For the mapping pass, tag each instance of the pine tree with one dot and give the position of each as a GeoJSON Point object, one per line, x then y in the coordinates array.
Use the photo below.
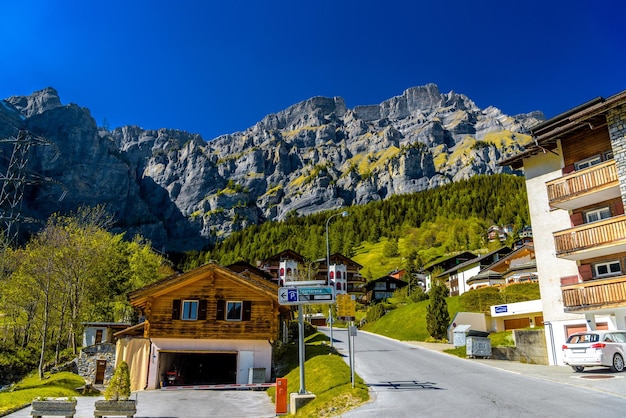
{"type": "Point", "coordinates": [437, 316]}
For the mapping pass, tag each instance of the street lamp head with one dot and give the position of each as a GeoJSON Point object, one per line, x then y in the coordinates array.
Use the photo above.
{"type": "Point", "coordinates": [344, 213]}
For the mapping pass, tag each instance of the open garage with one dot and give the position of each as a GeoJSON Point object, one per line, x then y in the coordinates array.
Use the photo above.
{"type": "Point", "coordinates": [197, 368]}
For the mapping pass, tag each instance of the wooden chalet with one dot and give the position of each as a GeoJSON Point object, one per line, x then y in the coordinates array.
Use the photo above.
{"type": "Point", "coordinates": [382, 288]}
{"type": "Point", "coordinates": [210, 325]}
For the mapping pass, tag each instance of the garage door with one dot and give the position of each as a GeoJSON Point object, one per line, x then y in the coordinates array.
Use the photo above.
{"type": "Point", "coordinates": [516, 323]}
{"type": "Point", "coordinates": [572, 329]}
{"type": "Point", "coordinates": [197, 368]}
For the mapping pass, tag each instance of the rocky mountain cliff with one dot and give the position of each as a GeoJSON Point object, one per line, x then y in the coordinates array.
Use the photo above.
{"type": "Point", "coordinates": [183, 192]}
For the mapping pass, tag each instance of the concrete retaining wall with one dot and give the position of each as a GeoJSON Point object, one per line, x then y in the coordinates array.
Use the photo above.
{"type": "Point", "coordinates": [530, 347]}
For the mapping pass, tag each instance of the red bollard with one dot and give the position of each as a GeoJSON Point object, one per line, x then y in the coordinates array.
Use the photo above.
{"type": "Point", "coordinates": [281, 396]}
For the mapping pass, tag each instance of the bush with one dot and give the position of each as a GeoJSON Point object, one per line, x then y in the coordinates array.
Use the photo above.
{"type": "Point", "coordinates": [15, 364]}
{"type": "Point", "coordinates": [293, 330]}
{"type": "Point", "coordinates": [119, 386]}
{"type": "Point", "coordinates": [375, 312]}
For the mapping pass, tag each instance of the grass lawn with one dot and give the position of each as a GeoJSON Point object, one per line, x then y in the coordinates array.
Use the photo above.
{"type": "Point", "coordinates": [327, 376]}
{"type": "Point", "coordinates": [56, 385]}
{"type": "Point", "coordinates": [408, 323]}
{"type": "Point", "coordinates": [371, 255]}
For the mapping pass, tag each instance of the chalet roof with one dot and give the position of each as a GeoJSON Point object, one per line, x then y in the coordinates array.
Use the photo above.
{"type": "Point", "coordinates": [334, 258]}
{"type": "Point", "coordinates": [140, 296]}
{"type": "Point", "coordinates": [479, 259]}
{"type": "Point", "coordinates": [135, 330]}
{"type": "Point", "coordinates": [388, 279]}
{"type": "Point", "coordinates": [112, 325]}
{"type": "Point", "coordinates": [585, 117]}
{"type": "Point", "coordinates": [284, 255]}
{"type": "Point", "coordinates": [485, 274]}
{"type": "Point", "coordinates": [448, 260]}
{"type": "Point", "coordinates": [526, 248]}
{"type": "Point", "coordinates": [242, 267]}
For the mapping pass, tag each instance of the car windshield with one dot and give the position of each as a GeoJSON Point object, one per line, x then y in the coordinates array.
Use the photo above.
{"type": "Point", "coordinates": [583, 338]}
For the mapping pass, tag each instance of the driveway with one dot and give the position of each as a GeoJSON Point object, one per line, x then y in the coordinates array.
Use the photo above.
{"type": "Point", "coordinates": [185, 404]}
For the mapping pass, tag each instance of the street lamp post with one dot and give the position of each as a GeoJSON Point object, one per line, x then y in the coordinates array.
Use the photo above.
{"type": "Point", "coordinates": [330, 307]}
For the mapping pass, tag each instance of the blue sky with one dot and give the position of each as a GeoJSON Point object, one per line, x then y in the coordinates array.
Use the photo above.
{"type": "Point", "coordinates": [217, 67]}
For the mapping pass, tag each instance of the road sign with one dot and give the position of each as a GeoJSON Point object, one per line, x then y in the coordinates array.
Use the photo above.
{"type": "Point", "coordinates": [306, 295]}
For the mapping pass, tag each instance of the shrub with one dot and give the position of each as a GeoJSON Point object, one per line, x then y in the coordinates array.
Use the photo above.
{"type": "Point", "coordinates": [119, 386]}
{"type": "Point", "coordinates": [375, 312]}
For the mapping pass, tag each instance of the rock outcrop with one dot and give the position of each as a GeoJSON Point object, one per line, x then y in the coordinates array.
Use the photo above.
{"type": "Point", "coordinates": [183, 192]}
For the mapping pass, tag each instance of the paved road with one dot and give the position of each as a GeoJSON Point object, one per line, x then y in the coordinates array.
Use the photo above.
{"type": "Point", "coordinates": [185, 404]}
{"type": "Point", "coordinates": [413, 380]}
{"type": "Point", "coordinates": [408, 380]}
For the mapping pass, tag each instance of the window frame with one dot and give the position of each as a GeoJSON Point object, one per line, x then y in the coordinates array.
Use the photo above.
{"type": "Point", "coordinates": [597, 211]}
{"type": "Point", "coordinates": [588, 162]}
{"type": "Point", "coordinates": [607, 264]}
{"type": "Point", "coordinates": [228, 310]}
{"type": "Point", "coordinates": [192, 312]}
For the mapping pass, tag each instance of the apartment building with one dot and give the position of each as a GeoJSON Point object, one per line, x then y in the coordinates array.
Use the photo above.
{"type": "Point", "coordinates": [576, 183]}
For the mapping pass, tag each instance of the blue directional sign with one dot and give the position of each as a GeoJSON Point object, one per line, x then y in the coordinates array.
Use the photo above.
{"type": "Point", "coordinates": [306, 295]}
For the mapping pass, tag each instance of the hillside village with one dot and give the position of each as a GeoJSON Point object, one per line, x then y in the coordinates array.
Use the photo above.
{"type": "Point", "coordinates": [214, 323]}
{"type": "Point", "coordinates": [575, 251]}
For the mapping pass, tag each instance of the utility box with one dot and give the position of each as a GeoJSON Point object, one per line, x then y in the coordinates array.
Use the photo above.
{"type": "Point", "coordinates": [256, 375]}
{"type": "Point", "coordinates": [459, 335]}
{"type": "Point", "coordinates": [477, 347]}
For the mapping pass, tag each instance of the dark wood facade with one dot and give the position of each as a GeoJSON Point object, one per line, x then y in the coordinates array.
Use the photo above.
{"type": "Point", "coordinates": [194, 305]}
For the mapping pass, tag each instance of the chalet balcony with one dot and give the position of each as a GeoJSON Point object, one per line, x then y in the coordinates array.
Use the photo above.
{"type": "Point", "coordinates": [582, 188]}
{"type": "Point", "coordinates": [595, 239]}
{"type": "Point", "coordinates": [595, 294]}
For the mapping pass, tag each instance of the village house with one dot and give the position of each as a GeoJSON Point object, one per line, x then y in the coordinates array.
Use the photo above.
{"type": "Point", "coordinates": [210, 325]}
{"type": "Point", "coordinates": [434, 269]}
{"type": "Point", "coordinates": [96, 360]}
{"type": "Point", "coordinates": [519, 266]}
{"type": "Point", "coordinates": [457, 277]}
{"type": "Point", "coordinates": [575, 172]}
{"type": "Point", "coordinates": [342, 273]}
{"type": "Point", "coordinates": [382, 288]}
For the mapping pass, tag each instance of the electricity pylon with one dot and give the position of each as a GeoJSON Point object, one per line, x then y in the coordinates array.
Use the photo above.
{"type": "Point", "coordinates": [16, 178]}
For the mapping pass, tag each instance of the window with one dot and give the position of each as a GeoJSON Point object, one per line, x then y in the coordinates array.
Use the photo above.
{"type": "Point", "coordinates": [233, 311]}
{"type": "Point", "coordinates": [190, 310]}
{"type": "Point", "coordinates": [598, 214]}
{"type": "Point", "coordinates": [607, 269]}
{"type": "Point", "coordinates": [586, 163]}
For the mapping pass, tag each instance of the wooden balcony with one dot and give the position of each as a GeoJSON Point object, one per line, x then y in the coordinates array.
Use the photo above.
{"type": "Point", "coordinates": [582, 188]}
{"type": "Point", "coordinates": [595, 294]}
{"type": "Point", "coordinates": [595, 239]}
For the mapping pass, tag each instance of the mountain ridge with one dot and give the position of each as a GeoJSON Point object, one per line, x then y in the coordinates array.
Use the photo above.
{"type": "Point", "coordinates": [184, 193]}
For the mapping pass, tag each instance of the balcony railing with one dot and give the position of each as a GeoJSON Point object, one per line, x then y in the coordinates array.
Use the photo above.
{"type": "Point", "coordinates": [594, 239]}
{"type": "Point", "coordinates": [575, 185]}
{"type": "Point", "coordinates": [594, 294]}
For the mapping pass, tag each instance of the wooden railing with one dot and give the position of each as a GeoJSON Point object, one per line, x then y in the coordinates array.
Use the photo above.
{"type": "Point", "coordinates": [594, 293]}
{"type": "Point", "coordinates": [582, 181]}
{"type": "Point", "coordinates": [604, 232]}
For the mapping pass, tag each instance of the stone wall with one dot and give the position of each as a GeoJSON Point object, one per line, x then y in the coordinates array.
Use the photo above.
{"type": "Point", "coordinates": [616, 120]}
{"type": "Point", "coordinates": [88, 358]}
{"type": "Point", "coordinates": [530, 347]}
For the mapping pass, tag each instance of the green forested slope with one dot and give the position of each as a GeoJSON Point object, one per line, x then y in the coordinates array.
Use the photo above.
{"type": "Point", "coordinates": [431, 223]}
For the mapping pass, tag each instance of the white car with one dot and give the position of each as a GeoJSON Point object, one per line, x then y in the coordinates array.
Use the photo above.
{"type": "Point", "coordinates": [595, 348]}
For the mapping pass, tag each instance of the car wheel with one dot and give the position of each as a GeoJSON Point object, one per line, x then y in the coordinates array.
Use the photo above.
{"type": "Point", "coordinates": [578, 369]}
{"type": "Point", "coordinates": [618, 363]}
